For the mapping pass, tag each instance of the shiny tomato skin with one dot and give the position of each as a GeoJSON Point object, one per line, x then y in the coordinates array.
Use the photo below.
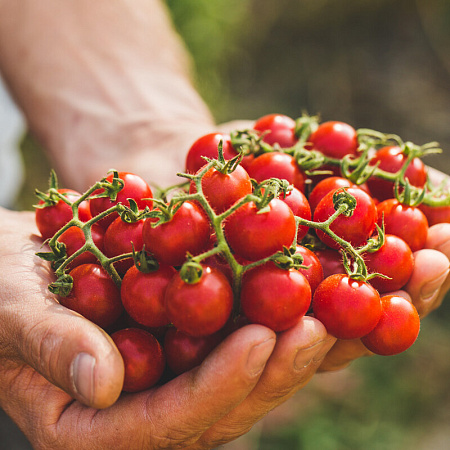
{"type": "Point", "coordinates": [201, 308]}
{"type": "Point", "coordinates": [391, 159]}
{"type": "Point", "coordinates": [331, 261]}
{"type": "Point", "coordinates": [299, 205]}
{"type": "Point", "coordinates": [208, 146]}
{"type": "Point", "coordinates": [349, 309]}
{"type": "Point", "coordinates": [277, 165]}
{"type": "Point", "coordinates": [143, 358]}
{"type": "Point", "coordinates": [397, 328]}
{"type": "Point", "coordinates": [274, 297]}
{"type": "Point", "coordinates": [134, 187]}
{"type": "Point", "coordinates": [314, 272]}
{"type": "Point", "coordinates": [406, 222]}
{"type": "Point", "coordinates": [120, 238]}
{"type": "Point", "coordinates": [189, 230]}
{"type": "Point", "coordinates": [279, 129]}
{"type": "Point", "coordinates": [222, 190]}
{"type": "Point", "coordinates": [436, 214]}
{"type": "Point", "coordinates": [395, 260]}
{"type": "Point", "coordinates": [355, 229]}
{"type": "Point", "coordinates": [184, 352]}
{"type": "Point", "coordinates": [94, 295]}
{"type": "Point", "coordinates": [255, 235]}
{"type": "Point", "coordinates": [143, 295]}
{"type": "Point", "coordinates": [323, 187]}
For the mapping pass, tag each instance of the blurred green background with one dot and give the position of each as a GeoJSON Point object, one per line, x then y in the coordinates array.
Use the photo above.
{"type": "Point", "coordinates": [380, 64]}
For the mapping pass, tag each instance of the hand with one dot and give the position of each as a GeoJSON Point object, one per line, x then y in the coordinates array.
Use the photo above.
{"type": "Point", "coordinates": [51, 356]}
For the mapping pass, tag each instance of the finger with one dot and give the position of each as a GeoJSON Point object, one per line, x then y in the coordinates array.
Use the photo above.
{"type": "Point", "coordinates": [342, 354]}
{"type": "Point", "coordinates": [296, 356]}
{"type": "Point", "coordinates": [429, 280]}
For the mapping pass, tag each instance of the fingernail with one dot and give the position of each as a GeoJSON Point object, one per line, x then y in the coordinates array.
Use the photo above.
{"type": "Point", "coordinates": [259, 355]}
{"type": "Point", "coordinates": [430, 290]}
{"type": "Point", "coordinates": [305, 356]}
{"type": "Point", "coordinates": [82, 372]}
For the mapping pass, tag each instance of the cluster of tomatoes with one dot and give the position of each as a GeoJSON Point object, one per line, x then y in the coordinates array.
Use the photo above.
{"type": "Point", "coordinates": [272, 223]}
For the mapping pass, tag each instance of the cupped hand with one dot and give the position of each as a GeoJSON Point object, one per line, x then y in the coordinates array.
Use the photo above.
{"type": "Point", "coordinates": [61, 376]}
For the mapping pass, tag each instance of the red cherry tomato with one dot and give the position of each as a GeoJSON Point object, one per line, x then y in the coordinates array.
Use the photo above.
{"type": "Point", "coordinates": [143, 358]}
{"type": "Point", "coordinates": [279, 129]}
{"type": "Point", "coordinates": [355, 229]}
{"type": "Point", "coordinates": [436, 214]}
{"type": "Point", "coordinates": [143, 295]}
{"type": "Point", "coordinates": [120, 238]}
{"type": "Point", "coordinates": [331, 261]}
{"type": "Point", "coordinates": [395, 260]}
{"type": "Point", "coordinates": [397, 328]}
{"type": "Point", "coordinates": [406, 222]}
{"type": "Point", "coordinates": [274, 297]}
{"type": "Point", "coordinates": [314, 272]}
{"type": "Point", "coordinates": [134, 187]}
{"type": "Point", "coordinates": [277, 165]}
{"type": "Point", "coordinates": [201, 308]}
{"type": "Point", "coordinates": [189, 230]}
{"type": "Point", "coordinates": [299, 205]}
{"type": "Point", "coordinates": [184, 352]}
{"type": "Point", "coordinates": [52, 218]}
{"type": "Point", "coordinates": [253, 234]}
{"type": "Point", "coordinates": [325, 186]}
{"type": "Point", "coordinates": [73, 238]}
{"type": "Point", "coordinates": [94, 295]}
{"type": "Point", "coordinates": [348, 308]}
{"type": "Point", "coordinates": [391, 159]}
{"type": "Point", "coordinates": [207, 146]}
{"type": "Point", "coordinates": [222, 190]}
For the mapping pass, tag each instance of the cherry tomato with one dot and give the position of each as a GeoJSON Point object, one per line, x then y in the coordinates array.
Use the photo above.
{"type": "Point", "coordinates": [134, 187]}
{"type": "Point", "coordinates": [348, 308]}
{"type": "Point", "coordinates": [299, 205]}
{"type": "Point", "coordinates": [52, 218]}
{"type": "Point", "coordinates": [279, 129]}
{"type": "Point", "coordinates": [201, 308]}
{"type": "Point", "coordinates": [73, 238]}
{"type": "Point", "coordinates": [143, 358]}
{"type": "Point", "coordinates": [274, 297]}
{"type": "Point", "coordinates": [253, 234]}
{"type": "Point", "coordinates": [184, 352]}
{"type": "Point", "coordinates": [397, 328]}
{"type": "Point", "coordinates": [331, 261]}
{"type": "Point", "coordinates": [120, 238]}
{"type": "Point", "coordinates": [188, 230]}
{"type": "Point", "coordinates": [391, 159]}
{"type": "Point", "coordinates": [277, 165]}
{"type": "Point", "coordinates": [406, 222]}
{"type": "Point", "coordinates": [355, 229]}
{"type": "Point", "coordinates": [207, 146]}
{"type": "Point", "coordinates": [395, 260]}
{"type": "Point", "coordinates": [143, 295]}
{"type": "Point", "coordinates": [222, 190]}
{"type": "Point", "coordinates": [314, 272]}
{"type": "Point", "coordinates": [94, 295]}
{"type": "Point", "coordinates": [436, 214]}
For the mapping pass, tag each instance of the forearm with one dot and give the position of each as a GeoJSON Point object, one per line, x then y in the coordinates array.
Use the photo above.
{"type": "Point", "coordinates": [105, 88]}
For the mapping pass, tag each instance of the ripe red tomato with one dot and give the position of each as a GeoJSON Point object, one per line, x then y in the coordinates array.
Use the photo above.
{"type": "Point", "coordinates": [120, 238]}
{"type": "Point", "coordinates": [207, 146]}
{"type": "Point", "coordinates": [222, 190]}
{"type": "Point", "coordinates": [436, 214]}
{"type": "Point", "coordinates": [391, 159]}
{"type": "Point", "coordinates": [280, 129]}
{"type": "Point", "coordinates": [355, 229]}
{"type": "Point", "coordinates": [274, 297]}
{"type": "Point", "coordinates": [52, 218]}
{"type": "Point", "coordinates": [397, 328]}
{"type": "Point", "coordinates": [73, 238]}
{"type": "Point", "coordinates": [348, 308]}
{"type": "Point", "coordinates": [143, 295]}
{"type": "Point", "coordinates": [143, 358]}
{"type": "Point", "coordinates": [253, 234]}
{"type": "Point", "coordinates": [314, 272]}
{"type": "Point", "coordinates": [395, 260]}
{"type": "Point", "coordinates": [201, 308]}
{"type": "Point", "coordinates": [299, 205]}
{"type": "Point", "coordinates": [189, 230]}
{"type": "Point", "coordinates": [184, 352]}
{"type": "Point", "coordinates": [324, 186]}
{"type": "Point", "coordinates": [407, 222]}
{"type": "Point", "coordinates": [277, 165]}
{"type": "Point", "coordinates": [94, 295]}
{"type": "Point", "coordinates": [331, 261]}
{"type": "Point", "coordinates": [134, 187]}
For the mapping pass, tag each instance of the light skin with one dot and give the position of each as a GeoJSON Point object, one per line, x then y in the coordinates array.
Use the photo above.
{"type": "Point", "coordinates": [98, 85]}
